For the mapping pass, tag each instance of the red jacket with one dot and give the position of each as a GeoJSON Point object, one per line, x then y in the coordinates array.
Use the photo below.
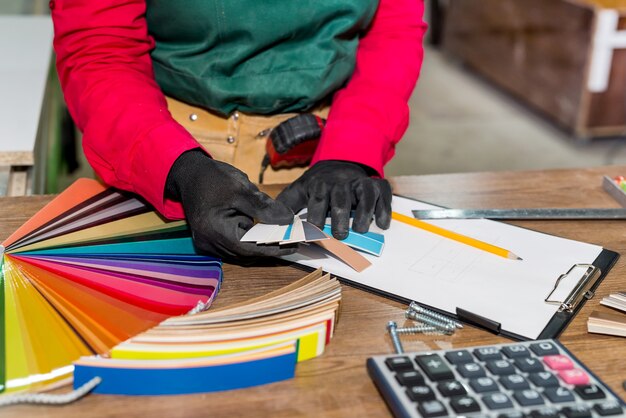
{"type": "Point", "coordinates": [129, 137]}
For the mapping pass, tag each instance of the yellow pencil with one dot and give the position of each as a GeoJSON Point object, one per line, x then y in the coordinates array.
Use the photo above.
{"type": "Point", "coordinates": [481, 245]}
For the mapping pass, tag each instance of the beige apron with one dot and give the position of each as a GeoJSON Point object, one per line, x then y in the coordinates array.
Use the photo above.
{"type": "Point", "coordinates": [239, 139]}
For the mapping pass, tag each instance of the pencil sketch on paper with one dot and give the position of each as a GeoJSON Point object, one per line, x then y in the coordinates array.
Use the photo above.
{"type": "Point", "coordinates": [448, 261]}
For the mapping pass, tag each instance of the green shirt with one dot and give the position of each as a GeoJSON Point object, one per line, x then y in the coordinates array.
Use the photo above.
{"type": "Point", "coordinates": [258, 56]}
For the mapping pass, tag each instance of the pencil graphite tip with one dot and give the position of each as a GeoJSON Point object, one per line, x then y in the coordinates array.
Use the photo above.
{"type": "Point", "coordinates": [512, 256]}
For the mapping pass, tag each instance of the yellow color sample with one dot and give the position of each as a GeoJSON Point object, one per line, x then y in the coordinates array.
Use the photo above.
{"type": "Point", "coordinates": [17, 352]}
{"type": "Point", "coordinates": [39, 341]}
{"type": "Point", "coordinates": [308, 346]}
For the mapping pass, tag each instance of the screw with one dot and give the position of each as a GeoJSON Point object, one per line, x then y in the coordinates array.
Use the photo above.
{"type": "Point", "coordinates": [446, 327]}
{"type": "Point", "coordinates": [395, 338]}
{"type": "Point", "coordinates": [420, 329]}
{"type": "Point", "coordinates": [443, 318]}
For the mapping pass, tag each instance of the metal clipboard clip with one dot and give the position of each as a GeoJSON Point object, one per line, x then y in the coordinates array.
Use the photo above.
{"type": "Point", "coordinates": [580, 291]}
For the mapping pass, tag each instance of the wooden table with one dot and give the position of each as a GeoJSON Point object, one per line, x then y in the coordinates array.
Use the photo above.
{"type": "Point", "coordinates": [337, 384]}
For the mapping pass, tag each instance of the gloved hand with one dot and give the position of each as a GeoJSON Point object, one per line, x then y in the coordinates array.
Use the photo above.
{"type": "Point", "coordinates": [340, 186]}
{"type": "Point", "coordinates": [220, 205]}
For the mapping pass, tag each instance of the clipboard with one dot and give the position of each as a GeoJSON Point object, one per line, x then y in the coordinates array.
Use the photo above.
{"type": "Point", "coordinates": [567, 307]}
{"type": "Point", "coordinates": [562, 293]}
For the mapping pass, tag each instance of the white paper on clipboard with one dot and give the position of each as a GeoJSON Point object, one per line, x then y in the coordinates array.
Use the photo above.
{"type": "Point", "coordinates": [445, 274]}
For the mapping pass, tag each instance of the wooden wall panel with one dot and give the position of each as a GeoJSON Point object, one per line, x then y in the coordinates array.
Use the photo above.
{"type": "Point", "coordinates": [536, 49]}
{"type": "Point", "coordinates": [607, 110]}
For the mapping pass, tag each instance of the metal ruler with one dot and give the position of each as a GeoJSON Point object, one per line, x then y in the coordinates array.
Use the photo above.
{"type": "Point", "coordinates": [536, 214]}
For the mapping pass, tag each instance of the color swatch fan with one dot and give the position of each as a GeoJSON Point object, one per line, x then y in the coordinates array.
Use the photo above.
{"type": "Point", "coordinates": [93, 268]}
{"type": "Point", "coordinates": [255, 342]}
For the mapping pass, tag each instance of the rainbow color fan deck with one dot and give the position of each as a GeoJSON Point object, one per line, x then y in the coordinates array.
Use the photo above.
{"type": "Point", "coordinates": [98, 284]}
{"type": "Point", "coordinates": [255, 342]}
{"type": "Point", "coordinates": [90, 270]}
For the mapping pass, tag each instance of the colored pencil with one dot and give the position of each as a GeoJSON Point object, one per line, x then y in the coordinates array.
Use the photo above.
{"type": "Point", "coordinates": [481, 245]}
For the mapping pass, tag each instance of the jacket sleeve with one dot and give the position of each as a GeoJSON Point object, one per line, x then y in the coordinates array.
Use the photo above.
{"type": "Point", "coordinates": [105, 69]}
{"type": "Point", "coordinates": [370, 114]}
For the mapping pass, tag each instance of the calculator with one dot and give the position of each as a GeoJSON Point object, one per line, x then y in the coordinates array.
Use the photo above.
{"type": "Point", "coordinates": [532, 379]}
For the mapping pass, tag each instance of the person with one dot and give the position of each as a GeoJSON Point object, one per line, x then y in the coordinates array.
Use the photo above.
{"type": "Point", "coordinates": [127, 67]}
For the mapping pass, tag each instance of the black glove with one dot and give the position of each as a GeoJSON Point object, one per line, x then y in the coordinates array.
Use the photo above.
{"type": "Point", "coordinates": [340, 186]}
{"type": "Point", "coordinates": [221, 204]}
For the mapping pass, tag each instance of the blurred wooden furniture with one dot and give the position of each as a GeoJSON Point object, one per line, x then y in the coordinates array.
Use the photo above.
{"type": "Point", "coordinates": [28, 110]}
{"type": "Point", "coordinates": [566, 58]}
{"type": "Point", "coordinates": [336, 384]}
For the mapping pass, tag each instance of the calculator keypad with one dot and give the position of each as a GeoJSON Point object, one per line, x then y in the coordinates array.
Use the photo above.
{"type": "Point", "coordinates": [483, 384]}
{"type": "Point", "coordinates": [514, 382]}
{"type": "Point", "coordinates": [520, 380]}
{"type": "Point", "coordinates": [574, 377]}
{"type": "Point", "coordinates": [543, 379]}
{"type": "Point", "coordinates": [451, 388]}
{"type": "Point", "coordinates": [590, 392]}
{"type": "Point", "coordinates": [544, 348]}
{"type": "Point", "coordinates": [432, 409]}
{"type": "Point", "coordinates": [434, 367]}
{"type": "Point", "coordinates": [529, 365]}
{"type": "Point", "coordinates": [471, 370]}
{"type": "Point", "coordinates": [410, 378]}
{"type": "Point", "coordinates": [421, 393]}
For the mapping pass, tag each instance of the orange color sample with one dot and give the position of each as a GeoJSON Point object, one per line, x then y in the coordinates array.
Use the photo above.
{"type": "Point", "coordinates": [77, 193]}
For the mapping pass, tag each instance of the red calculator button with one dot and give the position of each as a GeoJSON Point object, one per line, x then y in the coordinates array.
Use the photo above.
{"type": "Point", "coordinates": [558, 362]}
{"type": "Point", "coordinates": [574, 377]}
